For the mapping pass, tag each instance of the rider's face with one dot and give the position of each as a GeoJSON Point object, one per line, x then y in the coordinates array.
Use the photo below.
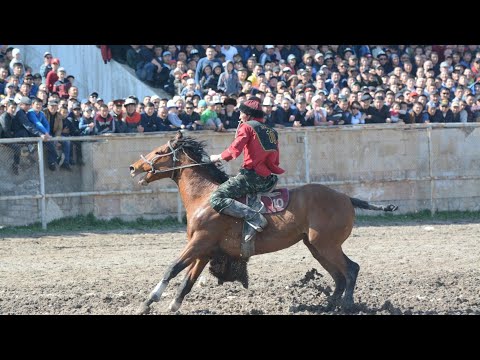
{"type": "Point", "coordinates": [243, 117]}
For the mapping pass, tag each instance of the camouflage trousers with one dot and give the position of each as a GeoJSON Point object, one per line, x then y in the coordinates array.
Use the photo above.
{"type": "Point", "coordinates": [246, 182]}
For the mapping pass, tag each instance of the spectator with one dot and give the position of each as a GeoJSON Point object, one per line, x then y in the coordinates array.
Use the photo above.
{"type": "Point", "coordinates": [284, 115]}
{"type": "Point", "coordinates": [459, 114]}
{"type": "Point", "coordinates": [3, 81]}
{"type": "Point", "coordinates": [7, 131]}
{"type": "Point", "coordinates": [52, 75]}
{"type": "Point", "coordinates": [147, 65]}
{"type": "Point", "coordinates": [133, 56]}
{"type": "Point", "coordinates": [41, 125]}
{"type": "Point", "coordinates": [228, 80]}
{"type": "Point", "coordinates": [231, 117]}
{"type": "Point", "coordinates": [209, 59]}
{"type": "Point", "coordinates": [415, 114]}
{"type": "Point", "coordinates": [117, 114]}
{"type": "Point", "coordinates": [132, 117]}
{"type": "Point", "coordinates": [149, 119]}
{"type": "Point", "coordinates": [18, 73]}
{"type": "Point", "coordinates": [190, 119]}
{"type": "Point", "coordinates": [87, 124]}
{"type": "Point", "coordinates": [104, 123]}
{"type": "Point", "coordinates": [173, 118]}
{"type": "Point", "coordinates": [55, 120]}
{"type": "Point", "coordinates": [16, 59]}
{"type": "Point", "coordinates": [62, 85]}
{"type": "Point", "coordinates": [46, 66]}
{"type": "Point", "coordinates": [229, 51]}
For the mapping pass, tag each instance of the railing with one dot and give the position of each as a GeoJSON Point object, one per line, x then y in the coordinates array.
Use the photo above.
{"type": "Point", "coordinates": [410, 164]}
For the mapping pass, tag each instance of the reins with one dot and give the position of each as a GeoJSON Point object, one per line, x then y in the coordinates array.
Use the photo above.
{"type": "Point", "coordinates": [175, 159]}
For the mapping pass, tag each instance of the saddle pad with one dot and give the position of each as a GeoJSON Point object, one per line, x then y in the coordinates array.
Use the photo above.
{"type": "Point", "coordinates": [273, 202]}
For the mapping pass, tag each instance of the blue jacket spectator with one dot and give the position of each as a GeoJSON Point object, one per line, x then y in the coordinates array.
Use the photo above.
{"type": "Point", "coordinates": [150, 121]}
{"type": "Point", "coordinates": [207, 60]}
{"type": "Point", "coordinates": [39, 120]}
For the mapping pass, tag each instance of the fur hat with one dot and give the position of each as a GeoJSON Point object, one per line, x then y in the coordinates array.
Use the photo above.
{"type": "Point", "coordinates": [252, 107]}
{"type": "Point", "coordinates": [230, 101]}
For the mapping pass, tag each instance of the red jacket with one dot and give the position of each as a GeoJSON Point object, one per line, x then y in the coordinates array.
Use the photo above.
{"type": "Point", "coordinates": [51, 79]}
{"type": "Point", "coordinates": [264, 162]}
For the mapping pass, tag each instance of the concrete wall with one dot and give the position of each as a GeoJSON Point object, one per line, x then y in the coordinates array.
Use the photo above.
{"type": "Point", "coordinates": [408, 165]}
{"type": "Point", "coordinates": [111, 80]}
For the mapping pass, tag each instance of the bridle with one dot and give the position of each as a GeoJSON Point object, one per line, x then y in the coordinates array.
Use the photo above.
{"type": "Point", "coordinates": [175, 159]}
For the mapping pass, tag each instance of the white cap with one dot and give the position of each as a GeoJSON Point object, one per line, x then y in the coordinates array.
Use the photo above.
{"type": "Point", "coordinates": [267, 101]}
{"type": "Point", "coordinates": [171, 104]}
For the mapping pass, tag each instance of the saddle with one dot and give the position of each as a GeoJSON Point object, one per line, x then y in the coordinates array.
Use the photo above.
{"type": "Point", "coordinates": [267, 203]}
{"type": "Point", "coordinates": [264, 203]}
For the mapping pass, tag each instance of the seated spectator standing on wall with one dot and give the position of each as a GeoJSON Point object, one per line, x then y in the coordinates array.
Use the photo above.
{"type": "Point", "coordinates": [132, 117]}
{"type": "Point", "coordinates": [42, 127]}
{"type": "Point", "coordinates": [7, 131]}
{"type": "Point", "coordinates": [56, 125]}
{"type": "Point", "coordinates": [71, 127]}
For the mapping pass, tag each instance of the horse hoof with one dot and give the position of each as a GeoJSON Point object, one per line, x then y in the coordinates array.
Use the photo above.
{"type": "Point", "coordinates": [202, 281]}
{"type": "Point", "coordinates": [143, 309]}
{"type": "Point", "coordinates": [174, 305]}
{"type": "Point", "coordinates": [348, 307]}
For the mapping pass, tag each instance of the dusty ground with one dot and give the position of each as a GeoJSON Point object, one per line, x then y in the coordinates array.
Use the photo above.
{"type": "Point", "coordinates": [415, 268]}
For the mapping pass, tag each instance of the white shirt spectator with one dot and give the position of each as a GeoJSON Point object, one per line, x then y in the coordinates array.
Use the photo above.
{"type": "Point", "coordinates": [229, 51]}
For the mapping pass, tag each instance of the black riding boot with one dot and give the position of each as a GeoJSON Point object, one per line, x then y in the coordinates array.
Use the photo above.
{"type": "Point", "coordinates": [256, 220]}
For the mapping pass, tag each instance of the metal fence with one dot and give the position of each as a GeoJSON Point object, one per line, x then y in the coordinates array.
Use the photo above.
{"type": "Point", "coordinates": [346, 159]}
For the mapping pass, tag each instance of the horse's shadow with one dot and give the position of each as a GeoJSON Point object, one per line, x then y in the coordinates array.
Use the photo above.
{"type": "Point", "coordinates": [311, 279]}
{"type": "Point", "coordinates": [360, 308]}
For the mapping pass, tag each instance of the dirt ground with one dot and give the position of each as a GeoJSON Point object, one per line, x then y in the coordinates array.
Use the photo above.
{"type": "Point", "coordinates": [414, 268]}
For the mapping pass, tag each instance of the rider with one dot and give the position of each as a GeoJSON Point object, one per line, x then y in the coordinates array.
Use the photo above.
{"type": "Point", "coordinates": [259, 168]}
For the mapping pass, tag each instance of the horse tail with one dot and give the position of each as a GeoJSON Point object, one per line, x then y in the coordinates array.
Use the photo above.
{"type": "Point", "coordinates": [362, 204]}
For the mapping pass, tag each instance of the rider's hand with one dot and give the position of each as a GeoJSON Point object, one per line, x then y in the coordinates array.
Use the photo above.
{"type": "Point", "coordinates": [215, 158]}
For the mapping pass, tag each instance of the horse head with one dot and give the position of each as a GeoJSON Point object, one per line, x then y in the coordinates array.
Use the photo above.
{"type": "Point", "coordinates": [159, 163]}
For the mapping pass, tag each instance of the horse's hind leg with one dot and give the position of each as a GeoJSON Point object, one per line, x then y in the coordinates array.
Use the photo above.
{"type": "Point", "coordinates": [352, 272]}
{"type": "Point", "coordinates": [347, 267]}
{"type": "Point", "coordinates": [193, 273]}
{"type": "Point", "coordinates": [333, 270]}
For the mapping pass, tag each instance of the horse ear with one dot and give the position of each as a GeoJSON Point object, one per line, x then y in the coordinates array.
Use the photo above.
{"type": "Point", "coordinates": [179, 135]}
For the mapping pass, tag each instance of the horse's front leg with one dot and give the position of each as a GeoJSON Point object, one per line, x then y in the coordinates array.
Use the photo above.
{"type": "Point", "coordinates": [173, 270]}
{"type": "Point", "coordinates": [192, 275]}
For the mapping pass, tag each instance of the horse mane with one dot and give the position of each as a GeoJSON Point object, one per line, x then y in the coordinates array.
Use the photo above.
{"type": "Point", "coordinates": [196, 150]}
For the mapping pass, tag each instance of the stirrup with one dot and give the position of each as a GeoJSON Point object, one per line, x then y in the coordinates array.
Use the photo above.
{"type": "Point", "coordinates": [249, 233]}
{"type": "Point", "coordinates": [262, 222]}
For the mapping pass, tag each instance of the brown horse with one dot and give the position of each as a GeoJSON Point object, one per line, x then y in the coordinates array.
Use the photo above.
{"type": "Point", "coordinates": [321, 217]}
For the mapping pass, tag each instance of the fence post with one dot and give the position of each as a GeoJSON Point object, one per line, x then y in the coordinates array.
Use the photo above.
{"type": "Point", "coordinates": [42, 183]}
{"type": "Point", "coordinates": [306, 156]}
{"type": "Point", "coordinates": [179, 207]}
{"type": "Point", "coordinates": [430, 161]}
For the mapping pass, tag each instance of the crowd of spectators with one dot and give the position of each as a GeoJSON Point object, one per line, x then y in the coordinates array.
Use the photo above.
{"type": "Point", "coordinates": [299, 85]}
